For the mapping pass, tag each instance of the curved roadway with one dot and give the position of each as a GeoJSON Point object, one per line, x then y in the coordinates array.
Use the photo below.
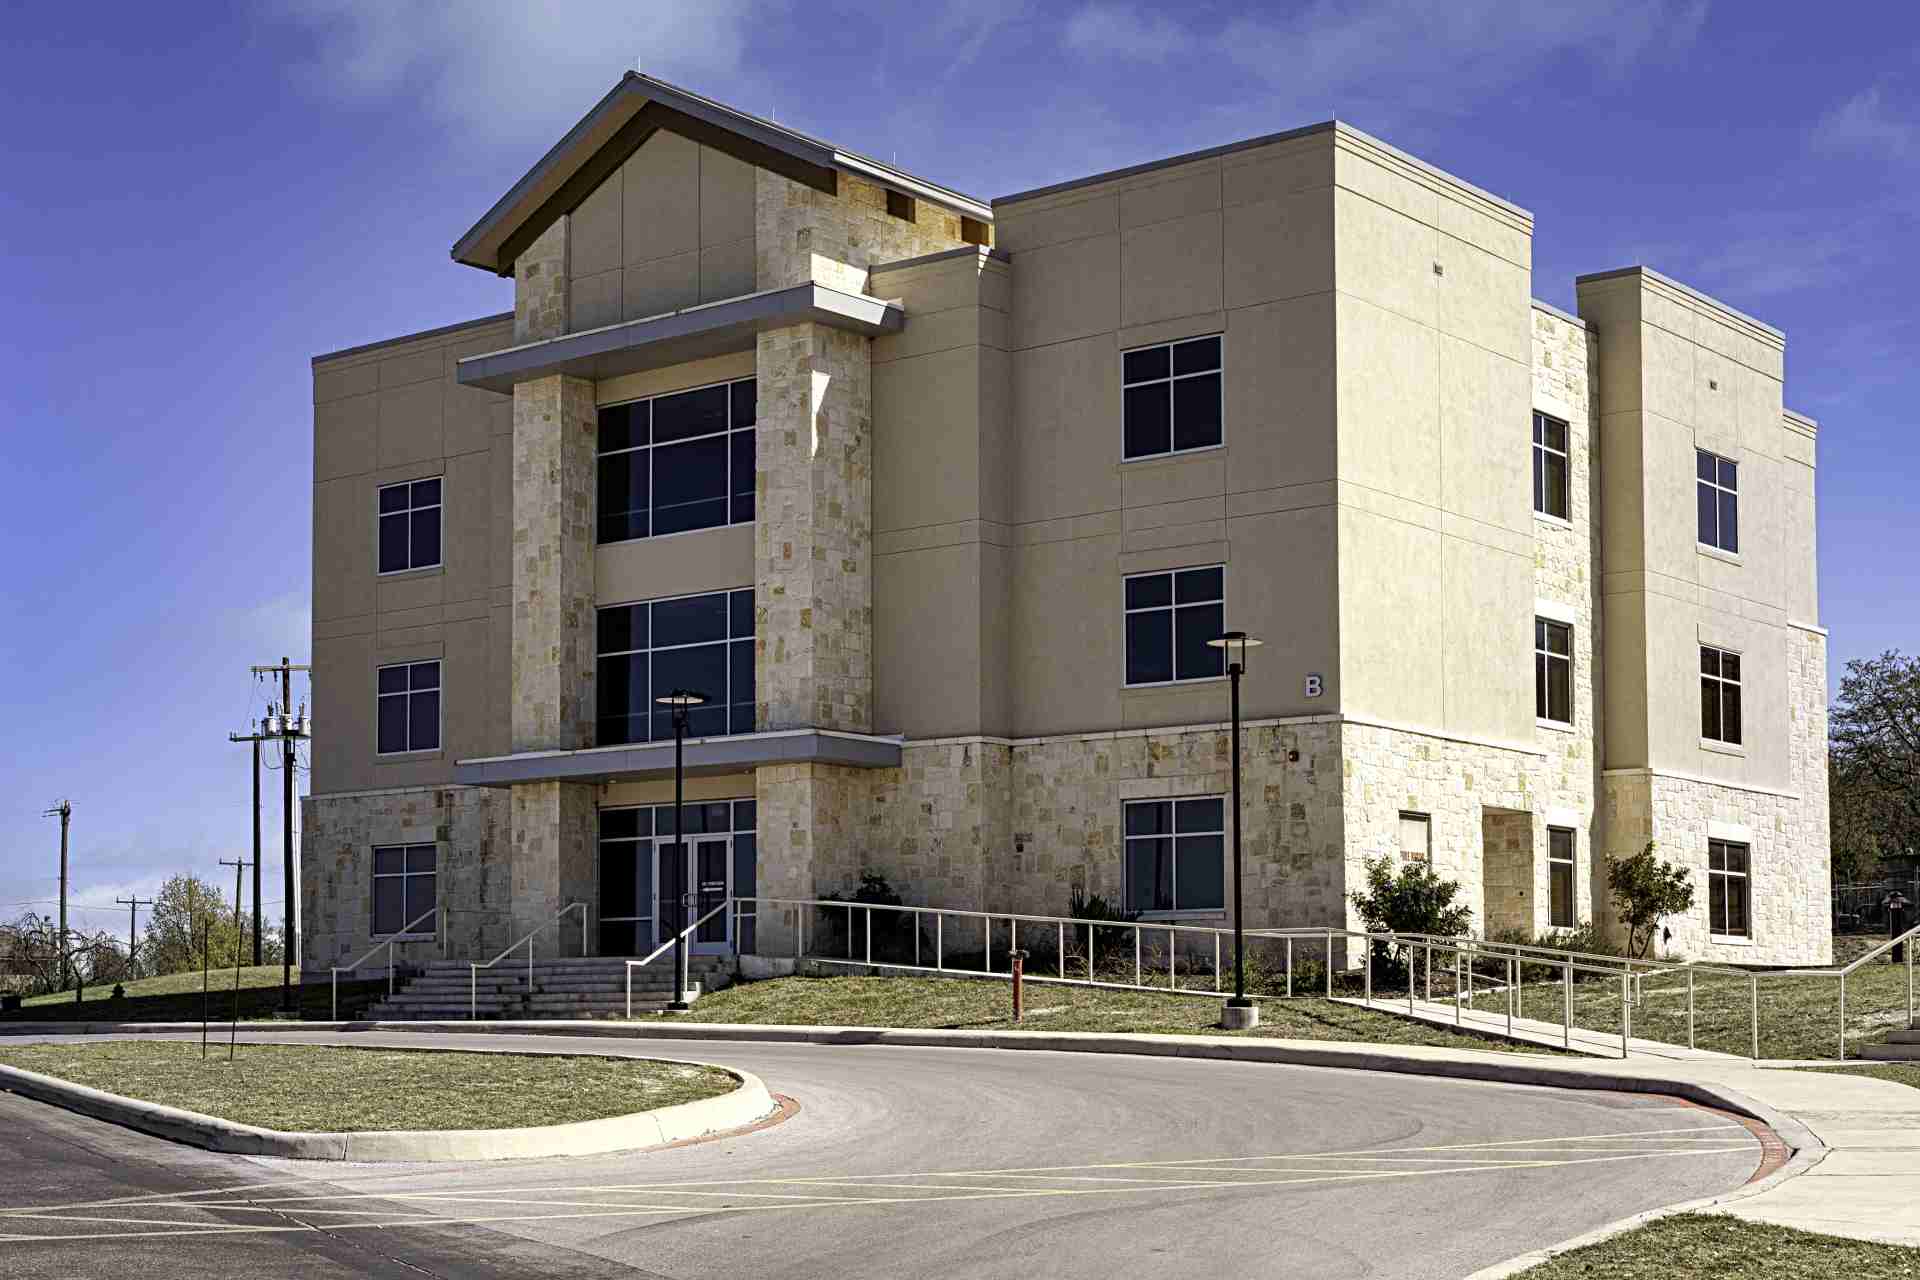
{"type": "Point", "coordinates": [908, 1162]}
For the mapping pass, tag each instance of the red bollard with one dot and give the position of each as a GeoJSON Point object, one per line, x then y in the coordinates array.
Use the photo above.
{"type": "Point", "coordinates": [1019, 959]}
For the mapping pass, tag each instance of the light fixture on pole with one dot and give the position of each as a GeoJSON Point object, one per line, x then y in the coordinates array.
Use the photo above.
{"type": "Point", "coordinates": [682, 702]}
{"type": "Point", "coordinates": [1240, 1013]}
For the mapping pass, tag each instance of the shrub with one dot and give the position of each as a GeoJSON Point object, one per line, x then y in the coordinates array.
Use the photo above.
{"type": "Point", "coordinates": [1416, 900]}
{"type": "Point", "coordinates": [1645, 891]}
{"type": "Point", "coordinates": [1111, 947]}
{"type": "Point", "coordinates": [892, 930]}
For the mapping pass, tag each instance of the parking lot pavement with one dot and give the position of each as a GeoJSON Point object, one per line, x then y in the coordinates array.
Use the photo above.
{"type": "Point", "coordinates": [932, 1162]}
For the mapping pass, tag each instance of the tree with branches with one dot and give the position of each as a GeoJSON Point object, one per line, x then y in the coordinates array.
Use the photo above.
{"type": "Point", "coordinates": [1873, 732]}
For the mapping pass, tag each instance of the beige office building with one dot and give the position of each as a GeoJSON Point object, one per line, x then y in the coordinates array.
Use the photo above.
{"type": "Point", "coordinates": [937, 501]}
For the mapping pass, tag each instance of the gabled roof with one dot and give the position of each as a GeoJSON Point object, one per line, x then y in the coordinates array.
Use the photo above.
{"type": "Point", "coordinates": [630, 113]}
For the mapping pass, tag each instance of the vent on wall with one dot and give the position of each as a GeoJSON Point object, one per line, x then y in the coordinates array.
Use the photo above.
{"type": "Point", "coordinates": [900, 206]}
{"type": "Point", "coordinates": [974, 231]}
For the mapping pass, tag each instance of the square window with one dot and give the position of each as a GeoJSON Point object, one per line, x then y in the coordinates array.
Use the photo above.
{"type": "Point", "coordinates": [1416, 837]}
{"type": "Point", "coordinates": [404, 888]}
{"type": "Point", "coordinates": [408, 526]}
{"type": "Point", "coordinates": [1171, 398]}
{"type": "Point", "coordinates": [699, 643]}
{"type": "Point", "coordinates": [1169, 619]}
{"type": "Point", "coordinates": [407, 708]}
{"type": "Point", "coordinates": [1174, 858]}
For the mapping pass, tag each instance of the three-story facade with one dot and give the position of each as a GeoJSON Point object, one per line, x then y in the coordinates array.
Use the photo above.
{"type": "Point", "coordinates": [936, 502]}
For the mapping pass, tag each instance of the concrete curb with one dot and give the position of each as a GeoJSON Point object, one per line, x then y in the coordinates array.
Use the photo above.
{"type": "Point", "coordinates": [748, 1104]}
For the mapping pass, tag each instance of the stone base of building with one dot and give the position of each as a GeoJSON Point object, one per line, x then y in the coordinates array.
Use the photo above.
{"type": "Point", "coordinates": [1029, 826]}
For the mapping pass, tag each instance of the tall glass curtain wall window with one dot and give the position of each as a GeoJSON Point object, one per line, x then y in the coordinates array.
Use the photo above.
{"type": "Point", "coordinates": [677, 462]}
{"type": "Point", "coordinates": [643, 872]}
{"type": "Point", "coordinates": [1172, 398]}
{"type": "Point", "coordinates": [1176, 855]}
{"type": "Point", "coordinates": [700, 643]}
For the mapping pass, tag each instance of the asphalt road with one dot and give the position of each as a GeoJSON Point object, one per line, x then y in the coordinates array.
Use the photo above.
{"type": "Point", "coordinates": [908, 1162]}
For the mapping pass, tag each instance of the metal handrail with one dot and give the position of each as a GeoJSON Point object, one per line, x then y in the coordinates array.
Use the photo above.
{"type": "Point", "coordinates": [392, 940]}
{"type": "Point", "coordinates": [658, 951]}
{"type": "Point", "coordinates": [473, 969]}
{"type": "Point", "coordinates": [1556, 953]}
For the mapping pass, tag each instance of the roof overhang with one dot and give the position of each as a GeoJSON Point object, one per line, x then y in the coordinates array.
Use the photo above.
{"type": "Point", "coordinates": [692, 333]}
{"type": "Point", "coordinates": [624, 119]}
{"type": "Point", "coordinates": [704, 756]}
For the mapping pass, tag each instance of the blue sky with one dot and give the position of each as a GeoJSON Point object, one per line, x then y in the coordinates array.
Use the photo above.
{"type": "Point", "coordinates": [198, 198]}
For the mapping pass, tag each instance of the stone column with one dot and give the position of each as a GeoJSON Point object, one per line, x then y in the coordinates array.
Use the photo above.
{"type": "Point", "coordinates": [813, 595]}
{"type": "Point", "coordinates": [554, 430]}
{"type": "Point", "coordinates": [540, 286]}
{"type": "Point", "coordinates": [813, 588]}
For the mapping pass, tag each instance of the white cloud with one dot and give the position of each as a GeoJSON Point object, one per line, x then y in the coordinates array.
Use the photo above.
{"type": "Point", "coordinates": [1327, 57]}
{"type": "Point", "coordinates": [1108, 30]}
{"type": "Point", "coordinates": [501, 72]}
{"type": "Point", "coordinates": [1864, 122]}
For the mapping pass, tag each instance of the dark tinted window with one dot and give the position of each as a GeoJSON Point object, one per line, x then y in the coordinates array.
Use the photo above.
{"type": "Point", "coordinates": [1171, 398]}
{"type": "Point", "coordinates": [677, 463]}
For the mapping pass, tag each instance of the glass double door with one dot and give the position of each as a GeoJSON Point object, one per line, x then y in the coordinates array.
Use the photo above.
{"type": "Point", "coordinates": [690, 880]}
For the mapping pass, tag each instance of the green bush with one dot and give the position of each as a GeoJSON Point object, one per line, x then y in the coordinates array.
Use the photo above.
{"type": "Point", "coordinates": [1416, 900]}
{"type": "Point", "coordinates": [1645, 891]}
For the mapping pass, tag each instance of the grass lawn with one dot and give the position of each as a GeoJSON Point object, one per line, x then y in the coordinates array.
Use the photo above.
{"type": "Point", "coordinates": [1907, 1073]}
{"type": "Point", "coordinates": [322, 1089]}
{"type": "Point", "coordinates": [1692, 1246]}
{"type": "Point", "coordinates": [964, 1003]}
{"type": "Point", "coordinates": [175, 997]}
{"type": "Point", "coordinates": [1799, 1015]}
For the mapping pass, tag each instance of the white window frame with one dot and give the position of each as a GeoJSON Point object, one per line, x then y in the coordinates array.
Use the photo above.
{"type": "Point", "coordinates": [1174, 840]}
{"type": "Point", "coordinates": [1571, 862]}
{"type": "Point", "coordinates": [378, 515]}
{"type": "Point", "coordinates": [1543, 660]}
{"type": "Point", "coordinates": [1173, 577]}
{"type": "Point", "coordinates": [403, 875]}
{"type": "Point", "coordinates": [1399, 836]}
{"type": "Point", "coordinates": [727, 433]}
{"type": "Point", "coordinates": [1746, 883]}
{"type": "Point", "coordinates": [1542, 450]}
{"type": "Point", "coordinates": [726, 646]}
{"type": "Point", "coordinates": [1718, 489]}
{"type": "Point", "coordinates": [440, 708]}
{"type": "Point", "coordinates": [1220, 372]}
{"type": "Point", "coordinates": [1721, 685]}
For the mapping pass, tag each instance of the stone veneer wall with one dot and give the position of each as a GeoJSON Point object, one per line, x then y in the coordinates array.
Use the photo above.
{"type": "Point", "coordinates": [468, 827]}
{"type": "Point", "coordinates": [555, 844]}
{"type": "Point", "coordinates": [1566, 373]}
{"type": "Point", "coordinates": [941, 824]}
{"type": "Point", "coordinates": [813, 536]}
{"type": "Point", "coordinates": [540, 286]}
{"type": "Point", "coordinates": [801, 234]}
{"type": "Point", "coordinates": [555, 426]}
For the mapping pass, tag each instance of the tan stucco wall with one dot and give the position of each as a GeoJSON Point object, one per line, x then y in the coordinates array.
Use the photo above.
{"type": "Point", "coordinates": [672, 227]}
{"type": "Point", "coordinates": [1239, 244]}
{"type": "Point", "coordinates": [381, 416]}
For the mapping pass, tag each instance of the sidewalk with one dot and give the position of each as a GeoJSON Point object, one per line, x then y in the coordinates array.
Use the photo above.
{"type": "Point", "coordinates": [1554, 1035]}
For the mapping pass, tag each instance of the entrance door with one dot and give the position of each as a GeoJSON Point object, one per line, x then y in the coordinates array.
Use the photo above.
{"type": "Point", "coordinates": [690, 883]}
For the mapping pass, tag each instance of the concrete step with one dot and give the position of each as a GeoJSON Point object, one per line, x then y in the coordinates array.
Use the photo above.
{"type": "Point", "coordinates": [1903, 1051]}
{"type": "Point", "coordinates": [1909, 1036]}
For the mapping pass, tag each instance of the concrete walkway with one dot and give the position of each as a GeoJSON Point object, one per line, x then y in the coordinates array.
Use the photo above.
{"type": "Point", "coordinates": [1599, 1044]}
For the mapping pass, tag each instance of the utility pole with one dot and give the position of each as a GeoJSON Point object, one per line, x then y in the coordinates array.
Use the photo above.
{"type": "Point", "coordinates": [64, 811]}
{"type": "Point", "coordinates": [239, 866]}
{"type": "Point", "coordinates": [133, 905]}
{"type": "Point", "coordinates": [256, 738]}
{"type": "Point", "coordinates": [289, 728]}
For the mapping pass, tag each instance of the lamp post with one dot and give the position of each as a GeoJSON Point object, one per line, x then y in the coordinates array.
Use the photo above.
{"type": "Point", "coordinates": [1240, 1013]}
{"type": "Point", "coordinates": [682, 701]}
